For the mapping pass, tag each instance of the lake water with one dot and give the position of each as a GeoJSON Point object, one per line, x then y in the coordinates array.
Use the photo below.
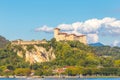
{"type": "Point", "coordinates": [60, 79]}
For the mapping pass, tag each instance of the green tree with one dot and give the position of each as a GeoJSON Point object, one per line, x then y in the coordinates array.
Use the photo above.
{"type": "Point", "coordinates": [117, 63]}
{"type": "Point", "coordinates": [22, 71]}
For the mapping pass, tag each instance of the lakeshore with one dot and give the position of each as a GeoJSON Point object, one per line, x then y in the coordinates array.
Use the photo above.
{"type": "Point", "coordinates": [62, 76]}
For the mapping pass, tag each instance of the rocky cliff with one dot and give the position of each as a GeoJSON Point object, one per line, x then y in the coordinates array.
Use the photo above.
{"type": "Point", "coordinates": [34, 53]}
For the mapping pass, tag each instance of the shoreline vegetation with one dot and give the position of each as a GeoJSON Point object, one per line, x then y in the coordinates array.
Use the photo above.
{"type": "Point", "coordinates": [61, 76]}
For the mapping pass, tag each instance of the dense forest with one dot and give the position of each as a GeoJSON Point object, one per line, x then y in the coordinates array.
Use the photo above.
{"type": "Point", "coordinates": [73, 57]}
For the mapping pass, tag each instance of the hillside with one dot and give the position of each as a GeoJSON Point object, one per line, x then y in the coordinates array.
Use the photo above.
{"type": "Point", "coordinates": [108, 51]}
{"type": "Point", "coordinates": [3, 42]}
{"type": "Point", "coordinates": [44, 59]}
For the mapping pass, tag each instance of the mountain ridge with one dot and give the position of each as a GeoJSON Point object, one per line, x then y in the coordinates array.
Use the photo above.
{"type": "Point", "coordinates": [96, 44]}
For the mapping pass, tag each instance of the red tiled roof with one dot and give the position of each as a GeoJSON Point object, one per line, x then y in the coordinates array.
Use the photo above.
{"type": "Point", "coordinates": [80, 35]}
{"type": "Point", "coordinates": [68, 35]}
{"type": "Point", "coordinates": [57, 28]}
{"type": "Point", "coordinates": [73, 34]}
{"type": "Point", "coordinates": [63, 33]}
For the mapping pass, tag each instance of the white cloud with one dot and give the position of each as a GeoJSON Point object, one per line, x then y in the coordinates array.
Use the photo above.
{"type": "Point", "coordinates": [76, 25]}
{"type": "Point", "coordinates": [92, 28]}
{"type": "Point", "coordinates": [92, 38]}
{"type": "Point", "coordinates": [116, 43]}
{"type": "Point", "coordinates": [66, 27]}
{"type": "Point", "coordinates": [44, 29]}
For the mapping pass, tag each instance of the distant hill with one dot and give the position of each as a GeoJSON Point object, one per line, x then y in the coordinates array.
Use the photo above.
{"type": "Point", "coordinates": [3, 41]}
{"type": "Point", "coordinates": [96, 44]}
{"type": "Point", "coordinates": [107, 51]}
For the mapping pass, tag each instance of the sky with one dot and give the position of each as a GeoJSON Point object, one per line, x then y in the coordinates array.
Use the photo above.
{"type": "Point", "coordinates": [99, 20]}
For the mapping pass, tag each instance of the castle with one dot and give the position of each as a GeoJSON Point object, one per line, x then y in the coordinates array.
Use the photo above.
{"type": "Point", "coordinates": [59, 36]}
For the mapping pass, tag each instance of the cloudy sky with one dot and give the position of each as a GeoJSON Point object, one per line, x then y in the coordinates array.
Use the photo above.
{"type": "Point", "coordinates": [36, 19]}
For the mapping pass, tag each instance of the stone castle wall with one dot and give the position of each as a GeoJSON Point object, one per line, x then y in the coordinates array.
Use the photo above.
{"type": "Point", "coordinates": [19, 42]}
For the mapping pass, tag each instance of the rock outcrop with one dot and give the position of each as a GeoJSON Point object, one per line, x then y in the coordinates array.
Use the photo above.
{"type": "Point", "coordinates": [36, 54]}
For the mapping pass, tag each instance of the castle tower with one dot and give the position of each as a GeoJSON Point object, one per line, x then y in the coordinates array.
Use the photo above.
{"type": "Point", "coordinates": [56, 32]}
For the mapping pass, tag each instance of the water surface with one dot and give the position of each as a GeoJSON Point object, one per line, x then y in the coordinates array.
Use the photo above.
{"type": "Point", "coordinates": [59, 78]}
